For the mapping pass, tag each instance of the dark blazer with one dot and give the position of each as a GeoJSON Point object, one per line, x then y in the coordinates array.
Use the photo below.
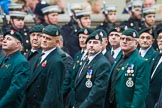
{"type": "Point", "coordinates": [14, 73]}
{"type": "Point", "coordinates": [44, 89]}
{"type": "Point", "coordinates": [109, 58]}
{"type": "Point", "coordinates": [130, 89]}
{"type": "Point", "coordinates": [155, 83]}
{"type": "Point", "coordinates": [94, 96]}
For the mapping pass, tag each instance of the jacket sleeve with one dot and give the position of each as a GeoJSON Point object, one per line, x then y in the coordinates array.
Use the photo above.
{"type": "Point", "coordinates": [18, 82]}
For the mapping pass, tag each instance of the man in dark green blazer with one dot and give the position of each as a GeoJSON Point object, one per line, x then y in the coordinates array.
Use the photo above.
{"type": "Point", "coordinates": [129, 78]}
{"type": "Point", "coordinates": [14, 71]}
{"type": "Point", "coordinates": [156, 75]}
{"type": "Point", "coordinates": [92, 76]}
{"type": "Point", "coordinates": [79, 57]}
{"type": "Point", "coordinates": [146, 39]}
{"type": "Point", "coordinates": [44, 89]}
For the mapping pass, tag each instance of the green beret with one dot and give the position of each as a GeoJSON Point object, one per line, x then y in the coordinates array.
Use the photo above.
{"type": "Point", "coordinates": [118, 29]}
{"type": "Point", "coordinates": [130, 32]}
{"type": "Point", "coordinates": [95, 36]}
{"type": "Point", "coordinates": [85, 30]}
{"type": "Point", "coordinates": [147, 30]}
{"type": "Point", "coordinates": [36, 28]}
{"type": "Point", "coordinates": [14, 34]}
{"type": "Point", "coordinates": [102, 33]}
{"type": "Point", "coordinates": [51, 30]}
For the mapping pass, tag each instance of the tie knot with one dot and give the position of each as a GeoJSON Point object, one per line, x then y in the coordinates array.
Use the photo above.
{"type": "Point", "coordinates": [112, 53]}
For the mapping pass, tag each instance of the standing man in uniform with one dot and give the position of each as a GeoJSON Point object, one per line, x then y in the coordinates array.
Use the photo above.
{"type": "Point", "coordinates": [14, 71]}
{"type": "Point", "coordinates": [109, 14]}
{"type": "Point", "coordinates": [35, 40]}
{"type": "Point", "coordinates": [114, 39]}
{"type": "Point", "coordinates": [129, 78]}
{"type": "Point", "coordinates": [104, 44]}
{"type": "Point", "coordinates": [51, 15]}
{"type": "Point", "coordinates": [156, 75]}
{"type": "Point", "coordinates": [83, 20]}
{"type": "Point", "coordinates": [146, 39]}
{"type": "Point", "coordinates": [92, 76]}
{"type": "Point", "coordinates": [135, 20]}
{"type": "Point", "coordinates": [44, 89]}
{"type": "Point", "coordinates": [18, 25]}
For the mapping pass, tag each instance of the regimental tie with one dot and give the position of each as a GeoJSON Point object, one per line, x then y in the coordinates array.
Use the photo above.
{"type": "Point", "coordinates": [38, 61]}
{"type": "Point", "coordinates": [82, 67]}
{"type": "Point", "coordinates": [112, 53]}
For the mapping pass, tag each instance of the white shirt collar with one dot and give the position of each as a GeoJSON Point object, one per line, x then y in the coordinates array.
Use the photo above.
{"type": "Point", "coordinates": [90, 58]}
{"type": "Point", "coordinates": [143, 52]}
{"type": "Point", "coordinates": [116, 52]}
{"type": "Point", "coordinates": [46, 53]}
{"type": "Point", "coordinates": [104, 51]}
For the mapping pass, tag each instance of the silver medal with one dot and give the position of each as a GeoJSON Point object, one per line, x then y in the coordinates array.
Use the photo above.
{"type": "Point", "coordinates": [129, 82]}
{"type": "Point", "coordinates": [88, 83]}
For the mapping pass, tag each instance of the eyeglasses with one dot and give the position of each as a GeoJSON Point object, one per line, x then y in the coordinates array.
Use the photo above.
{"type": "Point", "coordinates": [126, 38]}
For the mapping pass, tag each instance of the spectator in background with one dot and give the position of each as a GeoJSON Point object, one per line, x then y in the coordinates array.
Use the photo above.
{"type": "Point", "coordinates": [32, 4]}
{"type": "Point", "coordinates": [60, 3]}
{"type": "Point", "coordinates": [127, 7]}
{"type": "Point", "coordinates": [149, 3]}
{"type": "Point", "coordinates": [95, 6]}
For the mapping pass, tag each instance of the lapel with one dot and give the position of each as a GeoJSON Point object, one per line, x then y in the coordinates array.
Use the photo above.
{"type": "Point", "coordinates": [149, 53]}
{"type": "Point", "coordinates": [84, 71]}
{"type": "Point", "coordinates": [40, 68]}
{"type": "Point", "coordinates": [159, 68]}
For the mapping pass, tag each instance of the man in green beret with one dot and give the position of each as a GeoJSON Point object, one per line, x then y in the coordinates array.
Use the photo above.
{"type": "Point", "coordinates": [79, 57]}
{"type": "Point", "coordinates": [146, 39]}
{"type": "Point", "coordinates": [92, 76]}
{"type": "Point", "coordinates": [114, 40]}
{"type": "Point", "coordinates": [129, 77]}
{"type": "Point", "coordinates": [156, 76]}
{"type": "Point", "coordinates": [44, 89]}
{"type": "Point", "coordinates": [35, 40]}
{"type": "Point", "coordinates": [105, 52]}
{"type": "Point", "coordinates": [14, 71]}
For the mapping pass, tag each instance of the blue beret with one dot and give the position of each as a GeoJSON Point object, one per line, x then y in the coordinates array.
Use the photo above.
{"type": "Point", "coordinates": [14, 34]}
{"type": "Point", "coordinates": [52, 30]}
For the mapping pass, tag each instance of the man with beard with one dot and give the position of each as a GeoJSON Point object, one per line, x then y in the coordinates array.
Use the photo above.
{"type": "Point", "coordinates": [92, 76]}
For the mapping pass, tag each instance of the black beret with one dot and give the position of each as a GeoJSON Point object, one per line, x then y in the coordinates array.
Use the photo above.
{"type": "Point", "coordinates": [36, 28]}
{"type": "Point", "coordinates": [51, 30]}
{"type": "Point", "coordinates": [85, 30]}
{"type": "Point", "coordinates": [159, 30]}
{"type": "Point", "coordinates": [147, 30]}
{"type": "Point", "coordinates": [14, 34]}
{"type": "Point", "coordinates": [130, 32]}
{"type": "Point", "coordinates": [95, 36]}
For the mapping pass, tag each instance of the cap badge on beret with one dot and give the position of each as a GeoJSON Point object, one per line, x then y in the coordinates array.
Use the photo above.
{"type": "Point", "coordinates": [101, 34]}
{"type": "Point", "coordinates": [57, 33]}
{"type": "Point", "coordinates": [12, 32]}
{"type": "Point", "coordinates": [86, 31]}
{"type": "Point", "coordinates": [97, 37]}
{"type": "Point", "coordinates": [125, 28]}
{"type": "Point", "coordinates": [118, 29]}
{"type": "Point", "coordinates": [150, 31]}
{"type": "Point", "coordinates": [134, 34]}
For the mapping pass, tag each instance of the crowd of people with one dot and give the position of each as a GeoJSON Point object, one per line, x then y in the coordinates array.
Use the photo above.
{"type": "Point", "coordinates": [77, 66]}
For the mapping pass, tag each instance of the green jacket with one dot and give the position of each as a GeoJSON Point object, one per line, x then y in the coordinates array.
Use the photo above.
{"type": "Point", "coordinates": [14, 73]}
{"type": "Point", "coordinates": [131, 88]}
{"type": "Point", "coordinates": [93, 96]}
{"type": "Point", "coordinates": [44, 89]}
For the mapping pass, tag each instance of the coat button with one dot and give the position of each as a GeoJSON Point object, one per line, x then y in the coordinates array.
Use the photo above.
{"type": "Point", "coordinates": [34, 96]}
